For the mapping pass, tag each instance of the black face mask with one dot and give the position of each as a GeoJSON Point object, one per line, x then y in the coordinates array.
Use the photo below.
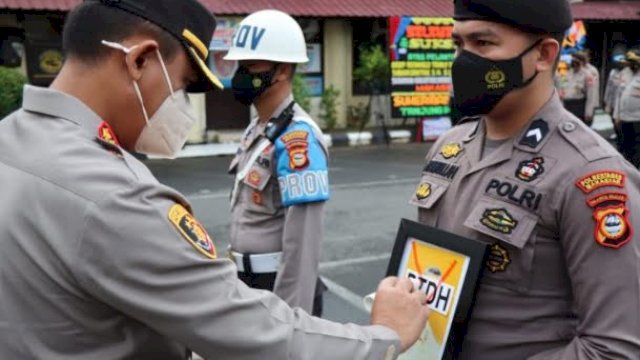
{"type": "Point", "coordinates": [480, 83]}
{"type": "Point", "coordinates": [248, 86]}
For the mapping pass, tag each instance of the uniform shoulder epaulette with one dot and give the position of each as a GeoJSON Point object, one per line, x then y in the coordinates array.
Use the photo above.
{"type": "Point", "coordinates": [468, 119]}
{"type": "Point", "coordinates": [589, 144]}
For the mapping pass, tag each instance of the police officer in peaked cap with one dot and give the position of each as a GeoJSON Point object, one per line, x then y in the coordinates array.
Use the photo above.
{"type": "Point", "coordinates": [100, 261]}
{"type": "Point", "coordinates": [555, 203]}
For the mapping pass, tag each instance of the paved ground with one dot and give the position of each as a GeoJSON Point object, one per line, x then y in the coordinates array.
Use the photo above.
{"type": "Point", "coordinates": [370, 190]}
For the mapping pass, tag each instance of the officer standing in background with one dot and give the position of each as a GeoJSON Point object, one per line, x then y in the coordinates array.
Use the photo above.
{"type": "Point", "coordinates": [625, 78]}
{"type": "Point", "coordinates": [618, 63]}
{"type": "Point", "coordinates": [613, 83]}
{"type": "Point", "coordinates": [554, 201]}
{"type": "Point", "coordinates": [98, 260]}
{"type": "Point", "coordinates": [595, 73]}
{"type": "Point", "coordinates": [282, 183]}
{"type": "Point", "coordinates": [579, 90]}
{"type": "Point", "coordinates": [629, 111]}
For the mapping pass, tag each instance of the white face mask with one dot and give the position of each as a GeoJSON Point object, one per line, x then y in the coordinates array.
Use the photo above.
{"type": "Point", "coordinates": [167, 130]}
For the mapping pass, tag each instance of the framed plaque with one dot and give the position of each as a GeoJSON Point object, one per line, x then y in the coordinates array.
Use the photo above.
{"type": "Point", "coordinates": [447, 268]}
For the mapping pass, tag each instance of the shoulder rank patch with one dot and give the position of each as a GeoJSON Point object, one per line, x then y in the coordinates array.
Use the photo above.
{"type": "Point", "coordinates": [529, 170]}
{"type": "Point", "coordinates": [498, 259]}
{"type": "Point", "coordinates": [105, 133]}
{"type": "Point", "coordinates": [600, 179]}
{"type": "Point", "coordinates": [192, 231]}
{"type": "Point", "coordinates": [452, 150]}
{"type": "Point", "coordinates": [535, 134]}
{"type": "Point", "coordinates": [499, 220]}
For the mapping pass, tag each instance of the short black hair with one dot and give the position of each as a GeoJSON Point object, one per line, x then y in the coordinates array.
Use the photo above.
{"type": "Point", "coordinates": [91, 22]}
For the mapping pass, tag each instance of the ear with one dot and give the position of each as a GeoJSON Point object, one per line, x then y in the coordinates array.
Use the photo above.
{"type": "Point", "coordinates": [283, 73]}
{"type": "Point", "coordinates": [549, 52]}
{"type": "Point", "coordinates": [138, 58]}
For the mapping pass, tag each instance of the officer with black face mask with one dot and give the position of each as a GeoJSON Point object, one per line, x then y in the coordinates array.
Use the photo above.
{"type": "Point", "coordinates": [554, 201]}
{"type": "Point", "coordinates": [277, 202]}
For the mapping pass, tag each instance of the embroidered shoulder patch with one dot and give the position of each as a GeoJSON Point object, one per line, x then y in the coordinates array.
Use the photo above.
{"type": "Point", "coordinates": [599, 180]}
{"type": "Point", "coordinates": [192, 231]}
{"type": "Point", "coordinates": [595, 201]}
{"type": "Point", "coordinates": [297, 145]}
{"type": "Point", "coordinates": [613, 228]}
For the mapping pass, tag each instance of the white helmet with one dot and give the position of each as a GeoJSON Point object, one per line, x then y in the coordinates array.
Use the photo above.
{"type": "Point", "coordinates": [269, 35]}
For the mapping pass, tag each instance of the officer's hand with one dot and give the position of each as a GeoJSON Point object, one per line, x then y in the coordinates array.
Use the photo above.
{"type": "Point", "coordinates": [400, 308]}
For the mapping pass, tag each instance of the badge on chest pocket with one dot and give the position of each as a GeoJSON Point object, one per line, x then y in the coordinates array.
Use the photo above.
{"type": "Point", "coordinates": [257, 177]}
{"type": "Point", "coordinates": [509, 229]}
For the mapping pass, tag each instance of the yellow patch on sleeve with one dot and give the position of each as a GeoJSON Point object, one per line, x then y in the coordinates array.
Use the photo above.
{"type": "Point", "coordinates": [192, 231]}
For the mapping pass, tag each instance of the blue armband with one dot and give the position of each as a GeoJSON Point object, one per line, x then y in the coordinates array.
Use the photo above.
{"type": "Point", "coordinates": [301, 166]}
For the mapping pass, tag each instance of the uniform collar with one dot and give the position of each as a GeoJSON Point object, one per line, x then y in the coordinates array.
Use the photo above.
{"type": "Point", "coordinates": [527, 139]}
{"type": "Point", "coordinates": [531, 139]}
{"type": "Point", "coordinates": [541, 127]}
{"type": "Point", "coordinates": [256, 128]}
{"type": "Point", "coordinates": [283, 105]}
{"type": "Point", "coordinates": [57, 104]}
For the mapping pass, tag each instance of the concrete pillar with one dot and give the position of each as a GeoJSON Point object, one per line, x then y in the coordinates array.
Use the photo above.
{"type": "Point", "coordinates": [338, 54]}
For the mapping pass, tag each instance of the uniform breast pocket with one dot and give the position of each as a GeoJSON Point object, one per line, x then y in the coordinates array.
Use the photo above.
{"type": "Point", "coordinates": [510, 230]}
{"type": "Point", "coordinates": [428, 192]}
{"type": "Point", "coordinates": [258, 191]}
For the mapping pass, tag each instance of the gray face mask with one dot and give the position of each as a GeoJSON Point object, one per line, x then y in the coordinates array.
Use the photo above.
{"type": "Point", "coordinates": [166, 131]}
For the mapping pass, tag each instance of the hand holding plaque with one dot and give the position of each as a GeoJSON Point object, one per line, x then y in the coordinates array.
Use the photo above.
{"type": "Point", "coordinates": [400, 307]}
{"type": "Point", "coordinates": [445, 268]}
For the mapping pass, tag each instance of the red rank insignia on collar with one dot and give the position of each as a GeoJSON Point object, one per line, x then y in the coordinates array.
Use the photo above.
{"type": "Point", "coordinates": [105, 133]}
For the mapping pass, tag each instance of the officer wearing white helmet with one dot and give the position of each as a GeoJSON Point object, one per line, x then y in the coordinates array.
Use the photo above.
{"type": "Point", "coordinates": [277, 202]}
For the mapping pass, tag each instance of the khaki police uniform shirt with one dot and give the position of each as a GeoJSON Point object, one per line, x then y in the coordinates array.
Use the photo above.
{"type": "Point", "coordinates": [610, 92]}
{"type": "Point", "coordinates": [630, 100]}
{"type": "Point", "coordinates": [595, 74]}
{"type": "Point", "coordinates": [578, 85]}
{"type": "Point", "coordinates": [625, 79]}
{"type": "Point", "coordinates": [261, 222]}
{"type": "Point", "coordinates": [100, 261]}
{"type": "Point", "coordinates": [559, 208]}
